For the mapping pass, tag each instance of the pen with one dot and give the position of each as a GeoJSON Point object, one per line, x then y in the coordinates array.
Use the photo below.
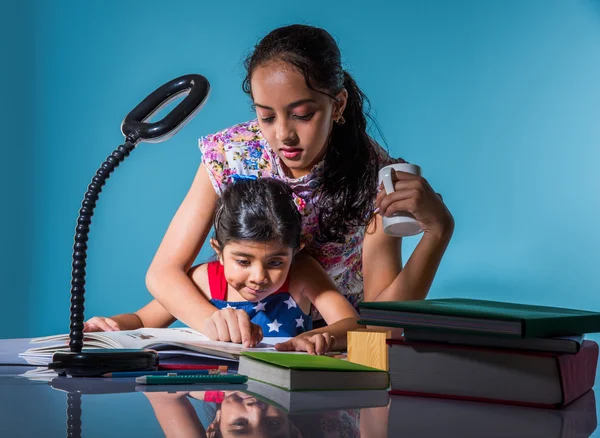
{"type": "Point", "coordinates": [182, 387]}
{"type": "Point", "coordinates": [222, 368]}
{"type": "Point", "coordinates": [198, 379]}
{"type": "Point", "coordinates": [161, 373]}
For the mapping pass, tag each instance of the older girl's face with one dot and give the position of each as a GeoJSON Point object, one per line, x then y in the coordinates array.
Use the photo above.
{"type": "Point", "coordinates": [295, 120]}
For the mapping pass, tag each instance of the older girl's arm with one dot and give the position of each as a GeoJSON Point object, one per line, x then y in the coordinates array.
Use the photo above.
{"type": "Point", "coordinates": [384, 277]}
{"type": "Point", "coordinates": [167, 278]}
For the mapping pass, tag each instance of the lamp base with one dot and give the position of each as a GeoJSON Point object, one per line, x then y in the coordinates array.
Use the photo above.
{"type": "Point", "coordinates": [96, 362]}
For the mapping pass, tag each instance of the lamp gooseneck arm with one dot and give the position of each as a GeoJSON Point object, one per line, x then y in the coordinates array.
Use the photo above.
{"type": "Point", "coordinates": [81, 237]}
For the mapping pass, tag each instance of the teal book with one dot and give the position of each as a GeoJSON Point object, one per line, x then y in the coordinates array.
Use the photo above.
{"type": "Point", "coordinates": [306, 372]}
{"type": "Point", "coordinates": [481, 316]}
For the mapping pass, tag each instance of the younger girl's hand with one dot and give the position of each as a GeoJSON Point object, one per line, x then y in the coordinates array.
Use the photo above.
{"type": "Point", "coordinates": [318, 343]}
{"type": "Point", "coordinates": [100, 324]}
{"type": "Point", "coordinates": [232, 325]}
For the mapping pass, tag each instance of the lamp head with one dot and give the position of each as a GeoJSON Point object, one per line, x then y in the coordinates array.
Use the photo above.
{"type": "Point", "coordinates": [135, 127]}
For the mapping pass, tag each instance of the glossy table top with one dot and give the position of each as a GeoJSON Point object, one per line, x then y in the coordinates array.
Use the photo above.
{"type": "Point", "coordinates": [93, 407]}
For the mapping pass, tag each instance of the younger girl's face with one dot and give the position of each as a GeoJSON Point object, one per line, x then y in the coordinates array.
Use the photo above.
{"type": "Point", "coordinates": [244, 415]}
{"type": "Point", "coordinates": [295, 120]}
{"type": "Point", "coordinates": [256, 270]}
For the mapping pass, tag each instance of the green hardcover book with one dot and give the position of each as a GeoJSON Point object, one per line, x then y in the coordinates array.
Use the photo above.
{"type": "Point", "coordinates": [305, 372]}
{"type": "Point", "coordinates": [480, 316]}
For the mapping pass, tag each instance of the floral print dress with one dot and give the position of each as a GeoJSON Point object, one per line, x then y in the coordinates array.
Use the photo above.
{"type": "Point", "coordinates": [241, 151]}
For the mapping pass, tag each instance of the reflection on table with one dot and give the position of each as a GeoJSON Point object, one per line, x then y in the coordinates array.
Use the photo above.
{"type": "Point", "coordinates": [420, 417]}
{"type": "Point", "coordinates": [117, 407]}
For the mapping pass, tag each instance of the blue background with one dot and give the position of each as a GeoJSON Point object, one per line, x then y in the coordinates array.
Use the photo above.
{"type": "Point", "coordinates": [498, 101]}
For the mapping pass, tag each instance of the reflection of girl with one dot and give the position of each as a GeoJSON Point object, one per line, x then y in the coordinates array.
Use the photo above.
{"type": "Point", "coordinates": [236, 414]}
{"type": "Point", "coordinates": [329, 424]}
{"type": "Point", "coordinates": [240, 414]}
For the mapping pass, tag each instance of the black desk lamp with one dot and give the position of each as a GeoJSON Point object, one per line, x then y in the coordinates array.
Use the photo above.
{"type": "Point", "coordinates": [85, 363]}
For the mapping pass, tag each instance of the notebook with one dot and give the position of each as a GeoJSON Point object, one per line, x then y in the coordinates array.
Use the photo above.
{"type": "Point", "coordinates": [480, 316]}
{"type": "Point", "coordinates": [303, 372]}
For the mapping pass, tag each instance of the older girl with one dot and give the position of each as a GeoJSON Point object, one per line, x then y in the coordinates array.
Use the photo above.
{"type": "Point", "coordinates": [311, 133]}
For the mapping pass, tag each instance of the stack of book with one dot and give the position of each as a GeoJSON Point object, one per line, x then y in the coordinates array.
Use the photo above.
{"type": "Point", "coordinates": [488, 351]}
{"type": "Point", "coordinates": [303, 383]}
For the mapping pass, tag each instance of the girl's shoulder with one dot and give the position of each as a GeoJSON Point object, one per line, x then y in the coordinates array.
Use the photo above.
{"type": "Point", "coordinates": [199, 276]}
{"type": "Point", "coordinates": [238, 151]}
{"type": "Point", "coordinates": [246, 133]}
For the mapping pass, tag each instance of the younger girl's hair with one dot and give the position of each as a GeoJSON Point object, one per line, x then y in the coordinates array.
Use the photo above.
{"type": "Point", "coordinates": [257, 210]}
{"type": "Point", "coordinates": [349, 184]}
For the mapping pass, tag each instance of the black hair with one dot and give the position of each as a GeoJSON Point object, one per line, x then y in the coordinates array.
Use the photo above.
{"type": "Point", "coordinates": [349, 184]}
{"type": "Point", "coordinates": [258, 210]}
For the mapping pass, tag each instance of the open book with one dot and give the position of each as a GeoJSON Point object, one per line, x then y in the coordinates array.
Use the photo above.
{"type": "Point", "coordinates": [167, 341]}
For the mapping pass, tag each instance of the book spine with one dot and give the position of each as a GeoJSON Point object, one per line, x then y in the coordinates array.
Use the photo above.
{"type": "Point", "coordinates": [440, 346]}
{"type": "Point", "coordinates": [578, 371]}
{"type": "Point", "coordinates": [561, 326]}
{"type": "Point", "coordinates": [454, 309]}
{"type": "Point", "coordinates": [475, 399]}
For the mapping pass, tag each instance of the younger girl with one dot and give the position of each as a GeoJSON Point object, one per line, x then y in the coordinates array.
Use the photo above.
{"type": "Point", "coordinates": [254, 284]}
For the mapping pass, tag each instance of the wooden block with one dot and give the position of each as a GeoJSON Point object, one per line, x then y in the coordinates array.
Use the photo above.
{"type": "Point", "coordinates": [368, 347]}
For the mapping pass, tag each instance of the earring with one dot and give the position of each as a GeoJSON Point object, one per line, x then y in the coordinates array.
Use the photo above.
{"type": "Point", "coordinates": [340, 120]}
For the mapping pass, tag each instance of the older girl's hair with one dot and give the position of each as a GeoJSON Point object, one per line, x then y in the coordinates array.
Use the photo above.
{"type": "Point", "coordinates": [349, 184]}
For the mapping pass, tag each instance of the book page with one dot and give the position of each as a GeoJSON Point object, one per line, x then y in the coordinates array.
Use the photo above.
{"type": "Point", "coordinates": [222, 349]}
{"type": "Point", "coordinates": [156, 338]}
{"type": "Point", "coordinates": [150, 336]}
{"type": "Point", "coordinates": [130, 338]}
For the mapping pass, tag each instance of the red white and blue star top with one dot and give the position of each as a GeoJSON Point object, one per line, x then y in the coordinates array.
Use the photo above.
{"type": "Point", "coordinates": [278, 314]}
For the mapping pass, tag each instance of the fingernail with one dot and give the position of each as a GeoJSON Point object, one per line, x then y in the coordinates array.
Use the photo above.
{"type": "Point", "coordinates": [376, 210]}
